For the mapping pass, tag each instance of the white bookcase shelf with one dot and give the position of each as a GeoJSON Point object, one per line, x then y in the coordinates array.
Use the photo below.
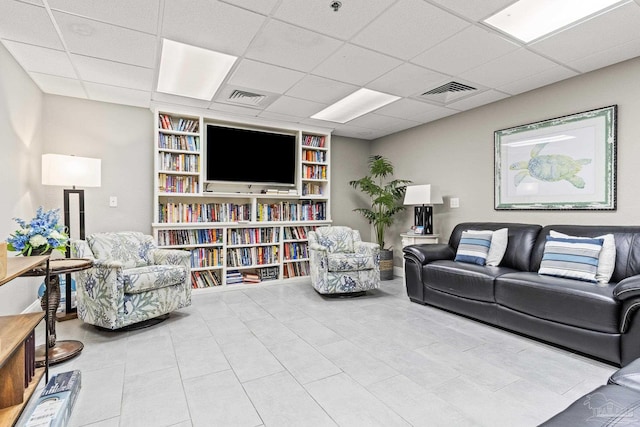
{"type": "Point", "coordinates": [236, 237]}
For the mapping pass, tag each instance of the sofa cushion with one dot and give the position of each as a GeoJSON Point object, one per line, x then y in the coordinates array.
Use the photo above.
{"type": "Point", "coordinates": [474, 247]}
{"type": "Point", "coordinates": [568, 301]}
{"type": "Point", "coordinates": [499, 241]}
{"type": "Point", "coordinates": [571, 258]}
{"type": "Point", "coordinates": [606, 259]}
{"type": "Point", "coordinates": [465, 280]}
{"type": "Point", "coordinates": [142, 279]}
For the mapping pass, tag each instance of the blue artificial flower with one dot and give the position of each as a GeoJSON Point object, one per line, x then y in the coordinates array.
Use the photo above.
{"type": "Point", "coordinates": [42, 233]}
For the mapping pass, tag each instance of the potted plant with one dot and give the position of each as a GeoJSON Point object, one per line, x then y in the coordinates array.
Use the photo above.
{"type": "Point", "coordinates": [386, 195]}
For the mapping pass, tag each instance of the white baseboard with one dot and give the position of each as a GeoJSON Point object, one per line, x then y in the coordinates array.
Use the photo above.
{"type": "Point", "coordinates": [34, 307]}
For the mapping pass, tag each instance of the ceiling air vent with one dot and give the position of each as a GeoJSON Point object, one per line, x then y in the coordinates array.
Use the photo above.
{"type": "Point", "coordinates": [447, 93]}
{"type": "Point", "coordinates": [449, 87]}
{"type": "Point", "coordinates": [245, 98]}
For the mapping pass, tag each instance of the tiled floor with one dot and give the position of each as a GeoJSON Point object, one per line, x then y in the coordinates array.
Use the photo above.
{"type": "Point", "coordinates": [282, 355]}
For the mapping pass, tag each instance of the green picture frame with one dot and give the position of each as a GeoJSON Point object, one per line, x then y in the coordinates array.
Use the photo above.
{"type": "Point", "coordinates": [564, 163]}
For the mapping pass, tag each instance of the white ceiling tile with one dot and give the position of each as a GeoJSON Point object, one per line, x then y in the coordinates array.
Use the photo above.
{"type": "Point", "coordinates": [39, 30]}
{"type": "Point", "coordinates": [59, 85]}
{"type": "Point", "coordinates": [107, 41]}
{"type": "Point", "coordinates": [544, 78]}
{"type": "Point", "coordinates": [118, 95]}
{"type": "Point", "coordinates": [351, 131]}
{"type": "Point", "coordinates": [436, 114]}
{"type": "Point", "coordinates": [252, 74]}
{"type": "Point", "coordinates": [41, 59]}
{"type": "Point", "coordinates": [408, 28]}
{"type": "Point", "coordinates": [319, 16]}
{"type": "Point", "coordinates": [407, 109]}
{"type": "Point", "coordinates": [407, 80]}
{"type": "Point", "coordinates": [378, 121]}
{"type": "Point", "coordinates": [509, 68]}
{"type": "Point", "coordinates": [234, 109]}
{"type": "Point", "coordinates": [486, 97]}
{"type": "Point", "coordinates": [474, 10]}
{"type": "Point", "coordinates": [37, 2]}
{"type": "Point", "coordinates": [263, 6]}
{"type": "Point", "coordinates": [622, 52]}
{"type": "Point", "coordinates": [320, 90]}
{"type": "Point", "coordinates": [113, 73]}
{"type": "Point", "coordinates": [622, 25]}
{"type": "Point", "coordinates": [292, 47]}
{"type": "Point", "coordinates": [356, 65]}
{"type": "Point", "coordinates": [210, 25]}
{"type": "Point", "coordinates": [295, 107]}
{"type": "Point", "coordinates": [179, 100]}
{"type": "Point", "coordinates": [141, 15]}
{"type": "Point", "coordinates": [270, 115]}
{"type": "Point", "coordinates": [468, 49]}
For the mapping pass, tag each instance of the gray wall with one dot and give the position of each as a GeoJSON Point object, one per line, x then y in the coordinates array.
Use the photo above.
{"type": "Point", "coordinates": [456, 153]}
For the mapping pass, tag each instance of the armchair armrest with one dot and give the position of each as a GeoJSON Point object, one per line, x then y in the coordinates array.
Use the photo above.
{"type": "Point", "coordinates": [172, 256]}
{"type": "Point", "coordinates": [81, 249]}
{"type": "Point", "coordinates": [425, 253]}
{"type": "Point", "coordinates": [317, 247]}
{"type": "Point", "coordinates": [368, 248]}
{"type": "Point", "coordinates": [628, 288]}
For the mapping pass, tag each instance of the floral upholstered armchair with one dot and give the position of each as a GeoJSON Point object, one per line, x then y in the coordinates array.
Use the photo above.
{"type": "Point", "coordinates": [341, 263]}
{"type": "Point", "coordinates": [131, 279]}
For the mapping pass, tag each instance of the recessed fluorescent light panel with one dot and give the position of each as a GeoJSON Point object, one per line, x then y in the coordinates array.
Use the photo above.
{"type": "Point", "coordinates": [355, 105]}
{"type": "Point", "coordinates": [191, 71]}
{"type": "Point", "coordinates": [528, 20]}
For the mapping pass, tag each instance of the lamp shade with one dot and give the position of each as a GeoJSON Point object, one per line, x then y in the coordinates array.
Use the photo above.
{"type": "Point", "coordinates": [67, 171]}
{"type": "Point", "coordinates": [425, 194]}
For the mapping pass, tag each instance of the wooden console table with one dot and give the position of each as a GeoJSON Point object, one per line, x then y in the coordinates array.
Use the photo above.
{"type": "Point", "coordinates": [19, 375]}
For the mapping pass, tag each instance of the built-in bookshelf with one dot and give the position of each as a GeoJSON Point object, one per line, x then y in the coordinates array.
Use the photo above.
{"type": "Point", "coordinates": [237, 234]}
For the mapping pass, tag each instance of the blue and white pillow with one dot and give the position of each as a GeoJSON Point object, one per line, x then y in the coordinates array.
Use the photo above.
{"type": "Point", "coordinates": [571, 258]}
{"type": "Point", "coordinates": [474, 247]}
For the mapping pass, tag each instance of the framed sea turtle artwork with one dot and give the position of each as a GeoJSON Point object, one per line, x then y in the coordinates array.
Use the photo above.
{"type": "Point", "coordinates": [568, 162]}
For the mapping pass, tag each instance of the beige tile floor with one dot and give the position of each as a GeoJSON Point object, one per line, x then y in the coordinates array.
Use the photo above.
{"type": "Point", "coordinates": [282, 355]}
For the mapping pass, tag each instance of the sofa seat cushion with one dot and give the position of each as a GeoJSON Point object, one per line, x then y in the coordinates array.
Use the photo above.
{"type": "Point", "coordinates": [350, 262]}
{"type": "Point", "coordinates": [142, 279]}
{"type": "Point", "coordinates": [463, 279]}
{"type": "Point", "coordinates": [568, 301]}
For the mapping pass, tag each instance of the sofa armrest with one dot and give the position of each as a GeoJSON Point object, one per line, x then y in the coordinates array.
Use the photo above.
{"type": "Point", "coordinates": [628, 288]}
{"type": "Point", "coordinates": [629, 376]}
{"type": "Point", "coordinates": [426, 253]}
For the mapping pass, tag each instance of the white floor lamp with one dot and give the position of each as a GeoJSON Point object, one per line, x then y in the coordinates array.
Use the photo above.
{"type": "Point", "coordinates": [71, 171]}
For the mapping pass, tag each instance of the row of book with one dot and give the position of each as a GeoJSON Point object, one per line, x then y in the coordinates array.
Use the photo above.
{"type": "Point", "coordinates": [177, 183]}
{"type": "Point", "coordinates": [314, 156]}
{"type": "Point", "coordinates": [298, 232]}
{"type": "Point", "coordinates": [313, 141]}
{"type": "Point", "coordinates": [179, 142]}
{"type": "Point", "coordinates": [244, 236]}
{"type": "Point", "coordinates": [314, 172]}
{"type": "Point", "coordinates": [206, 257]}
{"type": "Point", "coordinates": [190, 237]}
{"type": "Point", "coordinates": [179, 162]}
{"type": "Point", "coordinates": [292, 211]}
{"type": "Point", "coordinates": [312, 189]}
{"type": "Point", "coordinates": [205, 279]}
{"type": "Point", "coordinates": [183, 125]}
{"type": "Point", "coordinates": [296, 269]}
{"type": "Point", "coordinates": [172, 212]}
{"type": "Point", "coordinates": [244, 257]}
{"type": "Point", "coordinates": [233, 277]}
{"type": "Point", "coordinates": [295, 250]}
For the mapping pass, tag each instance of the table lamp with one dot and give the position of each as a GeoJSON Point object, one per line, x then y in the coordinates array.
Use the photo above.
{"type": "Point", "coordinates": [423, 197]}
{"type": "Point", "coordinates": [71, 171]}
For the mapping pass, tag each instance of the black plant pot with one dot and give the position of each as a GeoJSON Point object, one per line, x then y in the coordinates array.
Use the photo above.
{"type": "Point", "coordinates": [386, 264]}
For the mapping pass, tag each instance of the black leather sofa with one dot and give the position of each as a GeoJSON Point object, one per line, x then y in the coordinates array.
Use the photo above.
{"type": "Point", "coordinates": [615, 404]}
{"type": "Point", "coordinates": [599, 321]}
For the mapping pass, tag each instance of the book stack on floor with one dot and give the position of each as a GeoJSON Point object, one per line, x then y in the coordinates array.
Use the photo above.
{"type": "Point", "coordinates": [233, 277]}
{"type": "Point", "coordinates": [250, 277]}
{"type": "Point", "coordinates": [53, 407]}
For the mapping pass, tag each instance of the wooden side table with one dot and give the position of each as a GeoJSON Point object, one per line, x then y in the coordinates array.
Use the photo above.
{"type": "Point", "coordinates": [57, 351]}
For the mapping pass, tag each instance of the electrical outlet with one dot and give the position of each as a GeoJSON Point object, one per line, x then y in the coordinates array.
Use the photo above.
{"type": "Point", "coordinates": [454, 202]}
{"type": "Point", "coordinates": [113, 202]}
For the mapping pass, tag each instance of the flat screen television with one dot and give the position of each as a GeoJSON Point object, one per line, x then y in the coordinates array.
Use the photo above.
{"type": "Point", "coordinates": [249, 156]}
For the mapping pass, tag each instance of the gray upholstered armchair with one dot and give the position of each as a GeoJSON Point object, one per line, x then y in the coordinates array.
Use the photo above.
{"type": "Point", "coordinates": [131, 279]}
{"type": "Point", "coordinates": [341, 263]}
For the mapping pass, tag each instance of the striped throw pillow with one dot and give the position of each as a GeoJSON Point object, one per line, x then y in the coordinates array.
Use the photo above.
{"type": "Point", "coordinates": [474, 247]}
{"type": "Point", "coordinates": [571, 258]}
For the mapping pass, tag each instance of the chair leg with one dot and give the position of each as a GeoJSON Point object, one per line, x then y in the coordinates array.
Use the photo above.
{"type": "Point", "coordinates": [344, 294]}
{"type": "Point", "coordinates": [139, 325]}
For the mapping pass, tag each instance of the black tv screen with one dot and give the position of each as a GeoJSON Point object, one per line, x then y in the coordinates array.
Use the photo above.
{"type": "Point", "coordinates": [250, 156]}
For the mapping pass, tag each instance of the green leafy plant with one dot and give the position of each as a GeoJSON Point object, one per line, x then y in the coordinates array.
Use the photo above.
{"type": "Point", "coordinates": [385, 195]}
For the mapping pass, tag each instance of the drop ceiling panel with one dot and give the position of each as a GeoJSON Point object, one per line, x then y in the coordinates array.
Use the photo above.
{"type": "Point", "coordinates": [96, 39]}
{"type": "Point", "coordinates": [295, 107]}
{"type": "Point", "coordinates": [114, 73]}
{"type": "Point", "coordinates": [381, 122]}
{"type": "Point", "coordinates": [407, 109]}
{"type": "Point", "coordinates": [475, 10]}
{"type": "Point", "coordinates": [292, 47]}
{"type": "Point", "coordinates": [544, 78]}
{"type": "Point", "coordinates": [41, 59]}
{"type": "Point", "coordinates": [318, 16]}
{"type": "Point", "coordinates": [264, 77]}
{"type": "Point", "coordinates": [40, 30]}
{"type": "Point", "coordinates": [407, 80]}
{"type": "Point", "coordinates": [483, 98]}
{"type": "Point", "coordinates": [610, 56]}
{"type": "Point", "coordinates": [623, 24]}
{"type": "Point", "coordinates": [508, 68]}
{"type": "Point", "coordinates": [320, 89]}
{"type": "Point", "coordinates": [263, 6]}
{"type": "Point", "coordinates": [210, 25]}
{"type": "Point", "coordinates": [465, 50]}
{"type": "Point", "coordinates": [356, 65]}
{"type": "Point", "coordinates": [59, 85]}
{"type": "Point", "coordinates": [350, 131]}
{"type": "Point", "coordinates": [234, 109]}
{"type": "Point", "coordinates": [408, 28]}
{"type": "Point", "coordinates": [141, 15]}
{"type": "Point", "coordinates": [118, 95]}
{"type": "Point", "coordinates": [166, 98]}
